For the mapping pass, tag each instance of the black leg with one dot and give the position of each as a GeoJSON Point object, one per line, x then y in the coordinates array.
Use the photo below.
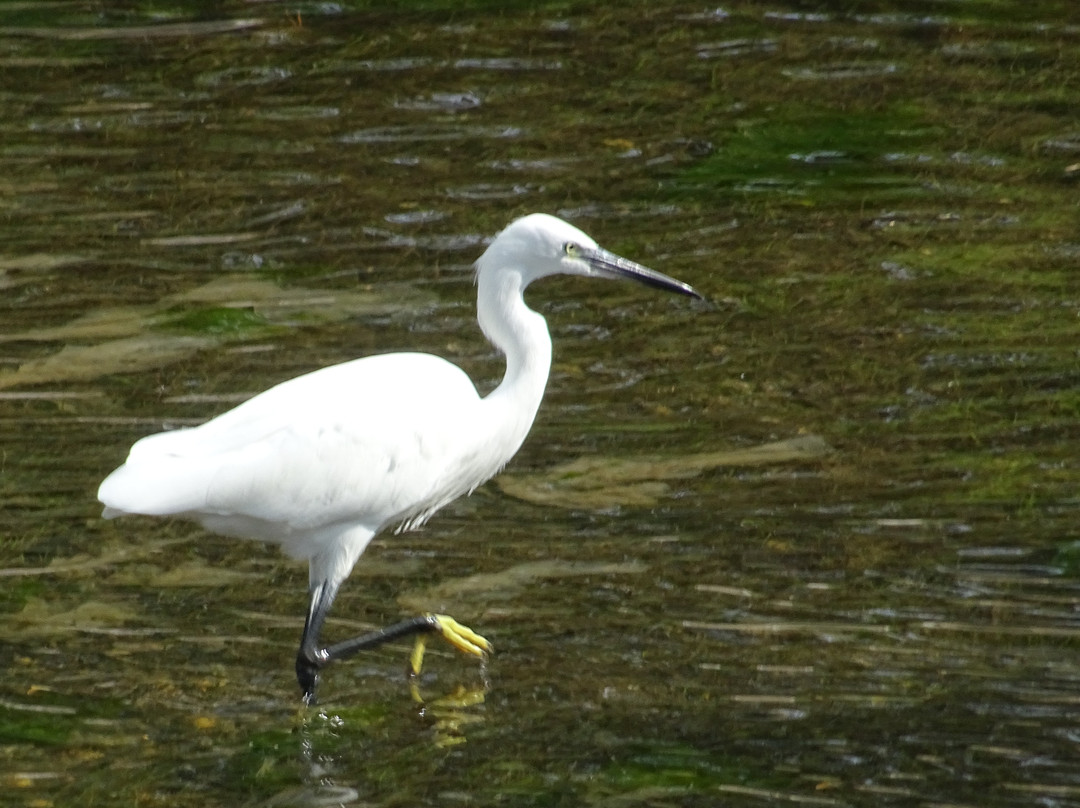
{"type": "Point", "coordinates": [416, 625]}
{"type": "Point", "coordinates": [307, 674]}
{"type": "Point", "coordinates": [311, 658]}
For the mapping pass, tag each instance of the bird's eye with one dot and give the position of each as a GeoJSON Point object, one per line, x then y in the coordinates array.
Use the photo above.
{"type": "Point", "coordinates": [571, 249]}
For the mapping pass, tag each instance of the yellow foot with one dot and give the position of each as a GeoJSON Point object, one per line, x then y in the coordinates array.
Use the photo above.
{"type": "Point", "coordinates": [461, 637]}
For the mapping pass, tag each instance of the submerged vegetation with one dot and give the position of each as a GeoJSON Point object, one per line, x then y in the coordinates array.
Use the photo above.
{"type": "Point", "coordinates": [879, 198]}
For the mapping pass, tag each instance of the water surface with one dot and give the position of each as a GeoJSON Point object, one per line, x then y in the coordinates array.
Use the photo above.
{"type": "Point", "coordinates": [813, 544]}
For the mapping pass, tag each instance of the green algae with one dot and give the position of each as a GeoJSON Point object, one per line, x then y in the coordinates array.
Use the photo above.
{"type": "Point", "coordinates": [817, 157]}
{"type": "Point", "coordinates": [228, 322]}
{"type": "Point", "coordinates": [655, 772]}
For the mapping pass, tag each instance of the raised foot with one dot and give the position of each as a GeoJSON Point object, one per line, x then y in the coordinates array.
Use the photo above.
{"type": "Point", "coordinates": [461, 637]}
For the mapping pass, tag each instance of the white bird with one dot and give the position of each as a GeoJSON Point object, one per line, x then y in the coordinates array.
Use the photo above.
{"type": "Point", "coordinates": [321, 463]}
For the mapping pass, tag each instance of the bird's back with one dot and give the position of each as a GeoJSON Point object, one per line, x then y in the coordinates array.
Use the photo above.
{"type": "Point", "coordinates": [378, 440]}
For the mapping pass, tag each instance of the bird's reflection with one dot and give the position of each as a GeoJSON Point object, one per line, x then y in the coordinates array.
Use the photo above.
{"type": "Point", "coordinates": [452, 714]}
{"type": "Point", "coordinates": [324, 742]}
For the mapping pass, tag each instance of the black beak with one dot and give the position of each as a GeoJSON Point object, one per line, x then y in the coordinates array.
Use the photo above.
{"type": "Point", "coordinates": [609, 265]}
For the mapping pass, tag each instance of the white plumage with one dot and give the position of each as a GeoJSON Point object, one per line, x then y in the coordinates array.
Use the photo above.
{"type": "Point", "coordinates": [320, 463]}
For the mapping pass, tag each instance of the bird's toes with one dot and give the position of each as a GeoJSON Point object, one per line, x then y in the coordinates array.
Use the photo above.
{"type": "Point", "coordinates": [462, 637]}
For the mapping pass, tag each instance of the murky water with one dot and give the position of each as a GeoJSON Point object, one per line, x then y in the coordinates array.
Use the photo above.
{"type": "Point", "coordinates": [816, 544]}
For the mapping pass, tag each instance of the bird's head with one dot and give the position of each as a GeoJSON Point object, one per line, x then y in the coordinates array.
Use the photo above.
{"type": "Point", "coordinates": [539, 245]}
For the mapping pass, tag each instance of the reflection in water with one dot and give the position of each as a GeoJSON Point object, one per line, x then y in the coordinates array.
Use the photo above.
{"type": "Point", "coordinates": [320, 788]}
{"type": "Point", "coordinates": [451, 715]}
{"type": "Point", "coordinates": [324, 746]}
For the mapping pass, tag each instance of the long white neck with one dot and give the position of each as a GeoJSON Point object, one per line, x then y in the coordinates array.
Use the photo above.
{"type": "Point", "coordinates": [522, 336]}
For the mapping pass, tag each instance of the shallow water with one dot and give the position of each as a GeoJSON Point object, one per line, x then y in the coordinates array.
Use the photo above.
{"type": "Point", "coordinates": [814, 544]}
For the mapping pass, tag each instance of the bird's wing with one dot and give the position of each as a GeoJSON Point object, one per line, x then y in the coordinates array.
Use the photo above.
{"type": "Point", "coordinates": [363, 442]}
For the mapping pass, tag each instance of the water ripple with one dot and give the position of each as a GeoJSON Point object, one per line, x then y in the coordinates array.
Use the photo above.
{"type": "Point", "coordinates": [486, 190]}
{"type": "Point", "coordinates": [404, 63]}
{"type": "Point", "coordinates": [796, 16]}
{"type": "Point", "coordinates": [244, 76]}
{"type": "Point", "coordinates": [735, 47]}
{"type": "Point", "coordinates": [511, 64]}
{"type": "Point", "coordinates": [415, 217]}
{"type": "Point", "coordinates": [531, 166]}
{"type": "Point", "coordinates": [428, 132]}
{"type": "Point", "coordinates": [454, 242]}
{"type": "Point", "coordinates": [447, 102]}
{"type": "Point", "coordinates": [842, 70]}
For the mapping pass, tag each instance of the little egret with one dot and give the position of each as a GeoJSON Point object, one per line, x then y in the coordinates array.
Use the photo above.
{"type": "Point", "coordinates": [321, 463]}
